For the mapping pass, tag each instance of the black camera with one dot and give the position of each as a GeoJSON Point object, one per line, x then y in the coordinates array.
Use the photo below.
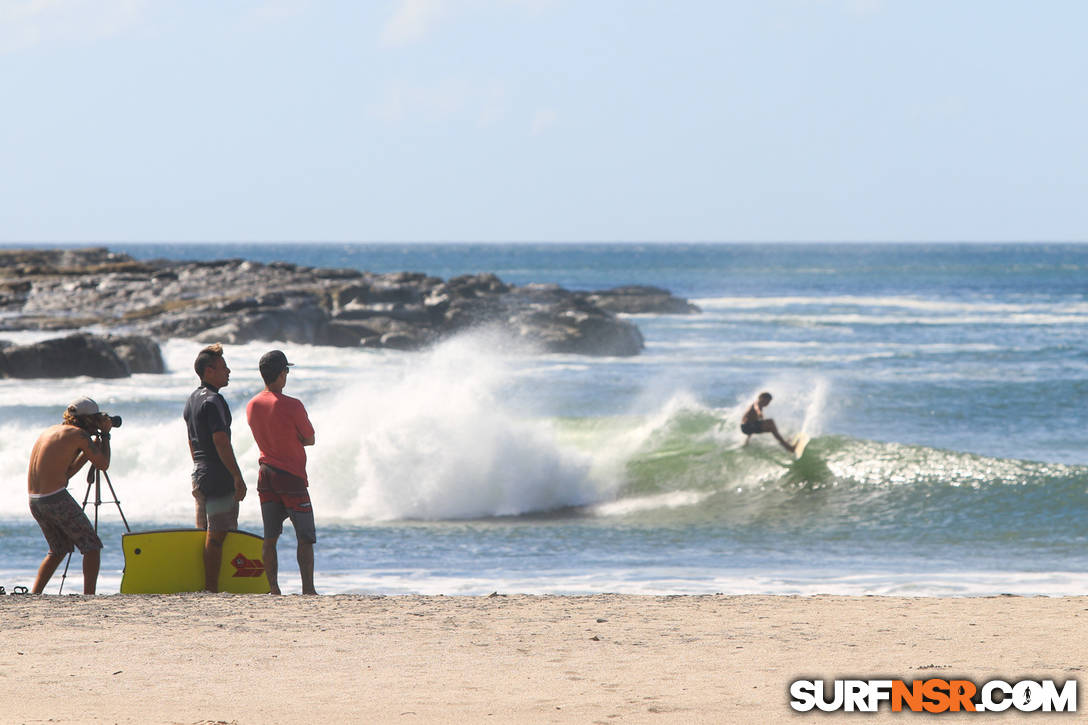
{"type": "Point", "coordinates": [114, 419]}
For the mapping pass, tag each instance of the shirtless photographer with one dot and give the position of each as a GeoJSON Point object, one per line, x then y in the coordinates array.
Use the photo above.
{"type": "Point", "coordinates": [60, 451]}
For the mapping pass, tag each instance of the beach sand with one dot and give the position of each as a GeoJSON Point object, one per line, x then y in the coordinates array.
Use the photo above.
{"type": "Point", "coordinates": [210, 658]}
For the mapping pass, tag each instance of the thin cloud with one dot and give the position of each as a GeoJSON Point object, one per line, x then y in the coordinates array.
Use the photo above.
{"type": "Point", "coordinates": [412, 20]}
{"type": "Point", "coordinates": [441, 102]}
{"type": "Point", "coordinates": [543, 120]}
{"type": "Point", "coordinates": [444, 101]}
{"type": "Point", "coordinates": [279, 11]}
{"type": "Point", "coordinates": [26, 24]}
{"type": "Point", "coordinates": [450, 99]}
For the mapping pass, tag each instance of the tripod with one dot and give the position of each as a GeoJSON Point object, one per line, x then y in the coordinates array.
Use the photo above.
{"type": "Point", "coordinates": [94, 479]}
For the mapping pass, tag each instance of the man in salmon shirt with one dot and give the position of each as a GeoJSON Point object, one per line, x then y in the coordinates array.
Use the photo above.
{"type": "Point", "coordinates": [282, 430]}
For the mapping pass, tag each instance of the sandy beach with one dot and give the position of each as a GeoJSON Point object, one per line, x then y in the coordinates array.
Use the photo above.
{"type": "Point", "coordinates": [527, 659]}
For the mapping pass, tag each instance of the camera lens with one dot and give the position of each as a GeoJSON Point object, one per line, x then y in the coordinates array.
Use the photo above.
{"type": "Point", "coordinates": [116, 420]}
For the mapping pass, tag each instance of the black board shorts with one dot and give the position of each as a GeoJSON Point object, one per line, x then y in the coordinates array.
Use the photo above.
{"type": "Point", "coordinates": [751, 428]}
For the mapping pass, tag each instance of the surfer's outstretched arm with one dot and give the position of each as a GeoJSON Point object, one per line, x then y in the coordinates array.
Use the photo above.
{"type": "Point", "coordinates": [770, 427]}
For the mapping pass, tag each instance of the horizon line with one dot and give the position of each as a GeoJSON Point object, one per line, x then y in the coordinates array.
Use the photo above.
{"type": "Point", "coordinates": [101, 242]}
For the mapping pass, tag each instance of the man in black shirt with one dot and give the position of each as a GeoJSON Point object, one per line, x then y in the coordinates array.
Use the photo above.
{"type": "Point", "coordinates": [217, 480]}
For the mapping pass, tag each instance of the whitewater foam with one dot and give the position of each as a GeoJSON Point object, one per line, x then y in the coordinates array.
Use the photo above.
{"type": "Point", "coordinates": [946, 307]}
{"type": "Point", "coordinates": [638, 504]}
{"type": "Point", "coordinates": [439, 441]}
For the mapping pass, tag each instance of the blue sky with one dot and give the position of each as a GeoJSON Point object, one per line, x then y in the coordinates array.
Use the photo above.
{"type": "Point", "coordinates": [542, 120]}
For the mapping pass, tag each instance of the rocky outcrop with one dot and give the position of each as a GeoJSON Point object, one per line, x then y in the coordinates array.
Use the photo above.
{"type": "Point", "coordinates": [237, 301]}
{"type": "Point", "coordinates": [641, 300]}
{"type": "Point", "coordinates": [81, 354]}
{"type": "Point", "coordinates": [139, 354]}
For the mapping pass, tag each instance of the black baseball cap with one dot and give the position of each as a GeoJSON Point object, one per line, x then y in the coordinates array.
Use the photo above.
{"type": "Point", "coordinates": [273, 363]}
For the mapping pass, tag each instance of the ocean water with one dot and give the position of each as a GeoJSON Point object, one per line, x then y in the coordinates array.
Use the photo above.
{"type": "Point", "coordinates": [944, 387]}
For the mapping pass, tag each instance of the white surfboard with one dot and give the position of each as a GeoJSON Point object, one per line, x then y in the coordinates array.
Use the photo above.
{"type": "Point", "coordinates": [799, 444]}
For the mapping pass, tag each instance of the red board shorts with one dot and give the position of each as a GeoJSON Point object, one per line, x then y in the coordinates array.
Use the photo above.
{"type": "Point", "coordinates": [284, 495]}
{"type": "Point", "coordinates": [64, 524]}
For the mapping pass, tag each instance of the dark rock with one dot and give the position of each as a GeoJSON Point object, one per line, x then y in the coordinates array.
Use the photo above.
{"type": "Point", "coordinates": [337, 273]}
{"type": "Point", "coordinates": [475, 285]}
{"type": "Point", "coordinates": [640, 300]}
{"type": "Point", "coordinates": [291, 324]}
{"type": "Point", "coordinates": [218, 263]}
{"type": "Point", "coordinates": [394, 310]}
{"type": "Point", "coordinates": [462, 314]}
{"type": "Point", "coordinates": [184, 324]}
{"type": "Point", "coordinates": [67, 262]}
{"type": "Point", "coordinates": [436, 303]}
{"type": "Point", "coordinates": [412, 278]}
{"type": "Point", "coordinates": [354, 311]}
{"type": "Point", "coordinates": [141, 354]}
{"type": "Point", "coordinates": [539, 290]}
{"type": "Point", "coordinates": [392, 292]}
{"type": "Point", "coordinates": [237, 301]}
{"type": "Point", "coordinates": [346, 295]}
{"type": "Point", "coordinates": [380, 325]}
{"type": "Point", "coordinates": [16, 287]}
{"type": "Point", "coordinates": [66, 357]}
{"type": "Point", "coordinates": [14, 293]}
{"type": "Point", "coordinates": [579, 332]}
{"type": "Point", "coordinates": [240, 304]}
{"type": "Point", "coordinates": [371, 342]}
{"type": "Point", "coordinates": [345, 333]}
{"type": "Point", "coordinates": [402, 341]}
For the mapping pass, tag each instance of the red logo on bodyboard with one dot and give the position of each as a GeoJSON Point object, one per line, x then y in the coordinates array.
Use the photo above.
{"type": "Point", "coordinates": [247, 567]}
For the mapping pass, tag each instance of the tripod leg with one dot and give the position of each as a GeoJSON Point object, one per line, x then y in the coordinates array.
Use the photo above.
{"type": "Point", "coordinates": [92, 561]}
{"type": "Point", "coordinates": [116, 501]}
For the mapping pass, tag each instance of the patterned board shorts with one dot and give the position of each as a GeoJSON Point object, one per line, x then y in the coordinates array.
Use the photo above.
{"type": "Point", "coordinates": [64, 524]}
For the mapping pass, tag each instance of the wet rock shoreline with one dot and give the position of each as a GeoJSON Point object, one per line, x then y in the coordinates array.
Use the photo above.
{"type": "Point", "coordinates": [238, 301]}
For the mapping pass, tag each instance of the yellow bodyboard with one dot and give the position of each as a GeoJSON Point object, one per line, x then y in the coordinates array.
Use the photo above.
{"type": "Point", "coordinates": [172, 560]}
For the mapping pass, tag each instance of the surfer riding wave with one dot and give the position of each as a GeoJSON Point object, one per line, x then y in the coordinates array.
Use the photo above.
{"type": "Point", "coordinates": [754, 423]}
